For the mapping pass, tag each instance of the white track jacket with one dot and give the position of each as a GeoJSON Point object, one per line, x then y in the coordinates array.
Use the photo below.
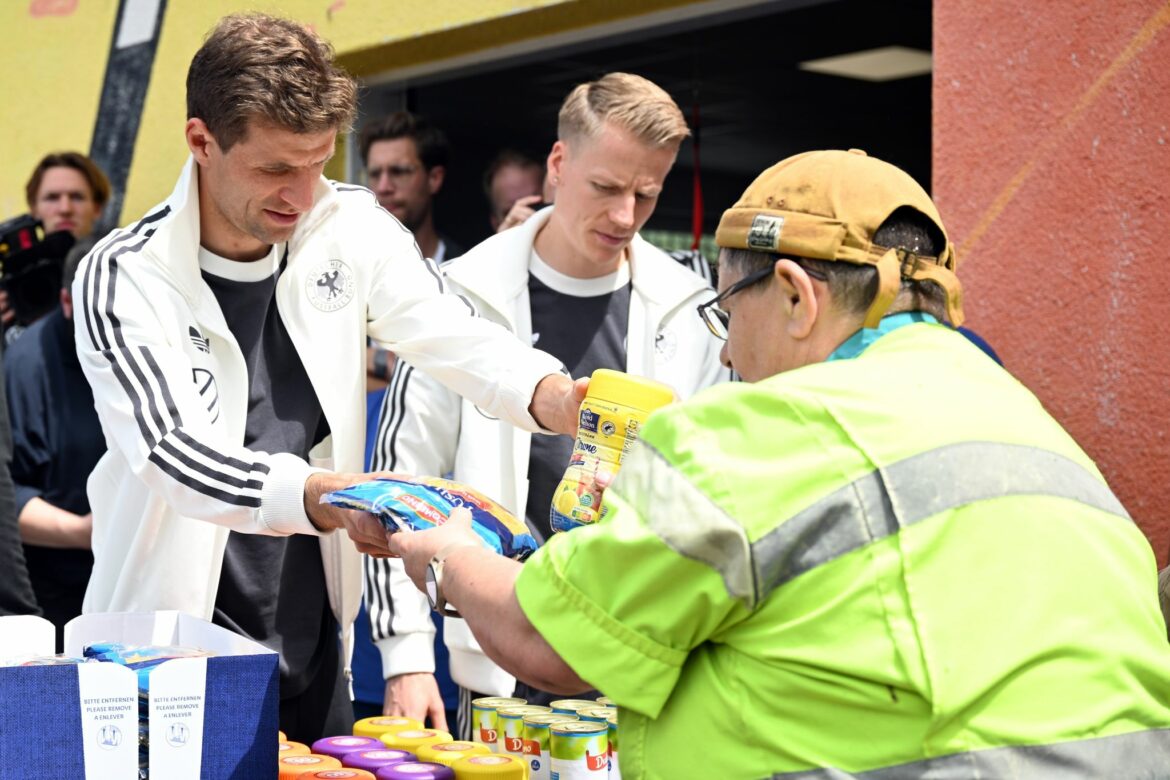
{"type": "Point", "coordinates": [424, 429]}
{"type": "Point", "coordinates": [171, 388]}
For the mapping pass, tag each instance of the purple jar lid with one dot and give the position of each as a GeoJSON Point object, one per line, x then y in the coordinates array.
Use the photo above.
{"type": "Point", "coordinates": [415, 770]}
{"type": "Point", "coordinates": [372, 760]}
{"type": "Point", "coordinates": [341, 746]}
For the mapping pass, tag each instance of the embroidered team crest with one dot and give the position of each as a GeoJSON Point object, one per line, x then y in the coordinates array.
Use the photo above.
{"type": "Point", "coordinates": [666, 344]}
{"type": "Point", "coordinates": [330, 286]}
{"type": "Point", "coordinates": [765, 233]}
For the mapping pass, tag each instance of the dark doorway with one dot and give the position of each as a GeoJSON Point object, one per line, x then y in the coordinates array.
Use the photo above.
{"type": "Point", "coordinates": [740, 69]}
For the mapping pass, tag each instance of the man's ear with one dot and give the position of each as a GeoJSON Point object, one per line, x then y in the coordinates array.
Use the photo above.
{"type": "Point", "coordinates": [798, 298]}
{"type": "Point", "coordinates": [556, 162]}
{"type": "Point", "coordinates": [435, 178]}
{"type": "Point", "coordinates": [199, 140]}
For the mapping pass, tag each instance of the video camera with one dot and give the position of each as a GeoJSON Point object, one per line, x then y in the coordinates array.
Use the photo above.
{"type": "Point", "coordinates": [30, 266]}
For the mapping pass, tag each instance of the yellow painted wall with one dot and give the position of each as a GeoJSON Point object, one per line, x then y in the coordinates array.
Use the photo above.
{"type": "Point", "coordinates": [51, 70]}
{"type": "Point", "coordinates": [52, 65]}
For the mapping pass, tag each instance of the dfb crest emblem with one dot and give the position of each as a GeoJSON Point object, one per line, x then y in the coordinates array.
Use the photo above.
{"type": "Point", "coordinates": [330, 286]}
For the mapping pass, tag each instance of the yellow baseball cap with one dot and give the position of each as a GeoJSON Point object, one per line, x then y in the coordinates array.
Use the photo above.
{"type": "Point", "coordinates": [827, 205]}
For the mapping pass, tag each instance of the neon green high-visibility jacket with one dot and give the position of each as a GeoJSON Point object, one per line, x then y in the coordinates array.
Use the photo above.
{"type": "Point", "coordinates": [893, 566]}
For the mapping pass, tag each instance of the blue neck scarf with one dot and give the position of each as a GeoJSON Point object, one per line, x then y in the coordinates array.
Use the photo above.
{"type": "Point", "coordinates": [860, 341]}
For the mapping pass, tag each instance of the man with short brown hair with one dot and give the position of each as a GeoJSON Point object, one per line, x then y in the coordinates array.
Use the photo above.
{"type": "Point", "coordinates": [67, 191]}
{"type": "Point", "coordinates": [224, 336]}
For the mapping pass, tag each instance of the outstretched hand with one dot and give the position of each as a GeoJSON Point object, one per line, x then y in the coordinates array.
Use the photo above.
{"type": "Point", "coordinates": [366, 531]}
{"type": "Point", "coordinates": [556, 404]}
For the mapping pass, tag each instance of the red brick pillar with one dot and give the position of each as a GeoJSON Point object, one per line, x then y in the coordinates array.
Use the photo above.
{"type": "Point", "coordinates": [1052, 172]}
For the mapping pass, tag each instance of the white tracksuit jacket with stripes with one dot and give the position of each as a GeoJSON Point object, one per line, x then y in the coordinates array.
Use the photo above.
{"type": "Point", "coordinates": [425, 429]}
{"type": "Point", "coordinates": [171, 388]}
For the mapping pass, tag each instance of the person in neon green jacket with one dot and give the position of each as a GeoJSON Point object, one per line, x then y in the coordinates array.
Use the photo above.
{"type": "Point", "coordinates": [877, 557]}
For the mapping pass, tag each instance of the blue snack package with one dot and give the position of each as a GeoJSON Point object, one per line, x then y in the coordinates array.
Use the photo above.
{"type": "Point", "coordinates": [421, 503]}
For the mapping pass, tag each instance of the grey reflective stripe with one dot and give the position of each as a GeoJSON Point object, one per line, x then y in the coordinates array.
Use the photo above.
{"type": "Point", "coordinates": [864, 511]}
{"type": "Point", "coordinates": [1141, 755]}
{"type": "Point", "coordinates": [909, 491]}
{"type": "Point", "coordinates": [687, 520]}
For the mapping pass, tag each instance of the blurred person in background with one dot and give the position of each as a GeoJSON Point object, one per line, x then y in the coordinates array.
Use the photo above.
{"type": "Point", "coordinates": [57, 440]}
{"type": "Point", "coordinates": [66, 192]}
{"type": "Point", "coordinates": [16, 593]}
{"type": "Point", "coordinates": [513, 182]}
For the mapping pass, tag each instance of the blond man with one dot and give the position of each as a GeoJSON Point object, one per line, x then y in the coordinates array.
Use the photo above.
{"type": "Point", "coordinates": [224, 336]}
{"type": "Point", "coordinates": [575, 280]}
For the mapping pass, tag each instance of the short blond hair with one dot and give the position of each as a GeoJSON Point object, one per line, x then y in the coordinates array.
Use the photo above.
{"type": "Point", "coordinates": [636, 105]}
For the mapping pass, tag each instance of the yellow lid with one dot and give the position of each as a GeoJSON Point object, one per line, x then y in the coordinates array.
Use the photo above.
{"type": "Point", "coordinates": [292, 749]}
{"type": "Point", "coordinates": [413, 739]}
{"type": "Point", "coordinates": [383, 724]}
{"type": "Point", "coordinates": [447, 753]}
{"type": "Point", "coordinates": [281, 736]}
{"type": "Point", "coordinates": [297, 766]}
{"type": "Point", "coordinates": [628, 390]}
{"type": "Point", "coordinates": [496, 765]}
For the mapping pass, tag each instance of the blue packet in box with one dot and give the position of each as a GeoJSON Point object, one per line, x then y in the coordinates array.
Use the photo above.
{"type": "Point", "coordinates": [424, 502]}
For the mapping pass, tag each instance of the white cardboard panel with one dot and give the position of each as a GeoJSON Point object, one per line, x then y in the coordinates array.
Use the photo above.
{"type": "Point", "coordinates": [177, 701]}
{"type": "Point", "coordinates": [25, 635]}
{"type": "Point", "coordinates": [108, 696]}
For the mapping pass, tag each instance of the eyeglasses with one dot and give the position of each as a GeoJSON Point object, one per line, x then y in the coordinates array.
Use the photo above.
{"type": "Point", "coordinates": [398, 173]}
{"type": "Point", "coordinates": [717, 320]}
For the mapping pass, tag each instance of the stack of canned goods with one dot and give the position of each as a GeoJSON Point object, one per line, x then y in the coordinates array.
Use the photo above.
{"type": "Point", "coordinates": [572, 738]}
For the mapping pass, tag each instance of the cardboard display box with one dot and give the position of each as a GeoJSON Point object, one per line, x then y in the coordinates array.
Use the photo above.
{"type": "Point", "coordinates": [211, 718]}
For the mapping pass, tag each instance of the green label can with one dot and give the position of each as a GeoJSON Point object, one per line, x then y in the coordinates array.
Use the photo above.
{"type": "Point", "coordinates": [536, 743]}
{"type": "Point", "coordinates": [484, 723]}
{"type": "Point", "coordinates": [511, 720]}
{"type": "Point", "coordinates": [579, 750]}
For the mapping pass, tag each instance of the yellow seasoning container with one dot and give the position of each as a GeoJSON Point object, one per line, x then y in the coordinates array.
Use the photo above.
{"type": "Point", "coordinates": [512, 727]}
{"type": "Point", "coordinates": [571, 706]}
{"type": "Point", "coordinates": [580, 750]}
{"type": "Point", "coordinates": [484, 723]}
{"type": "Point", "coordinates": [497, 767]}
{"type": "Point", "coordinates": [296, 766]}
{"type": "Point", "coordinates": [536, 743]}
{"type": "Point", "coordinates": [447, 753]}
{"type": "Point", "coordinates": [612, 416]}
{"type": "Point", "coordinates": [413, 739]}
{"type": "Point", "coordinates": [292, 749]}
{"type": "Point", "coordinates": [615, 772]}
{"type": "Point", "coordinates": [339, 774]}
{"type": "Point", "coordinates": [383, 724]}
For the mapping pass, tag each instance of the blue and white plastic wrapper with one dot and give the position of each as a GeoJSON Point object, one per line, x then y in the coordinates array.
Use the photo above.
{"type": "Point", "coordinates": [422, 503]}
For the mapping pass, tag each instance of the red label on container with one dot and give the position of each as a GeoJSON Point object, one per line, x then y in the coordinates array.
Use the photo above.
{"type": "Point", "coordinates": [531, 747]}
{"type": "Point", "coordinates": [598, 762]}
{"type": "Point", "coordinates": [488, 735]}
{"type": "Point", "coordinates": [513, 744]}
